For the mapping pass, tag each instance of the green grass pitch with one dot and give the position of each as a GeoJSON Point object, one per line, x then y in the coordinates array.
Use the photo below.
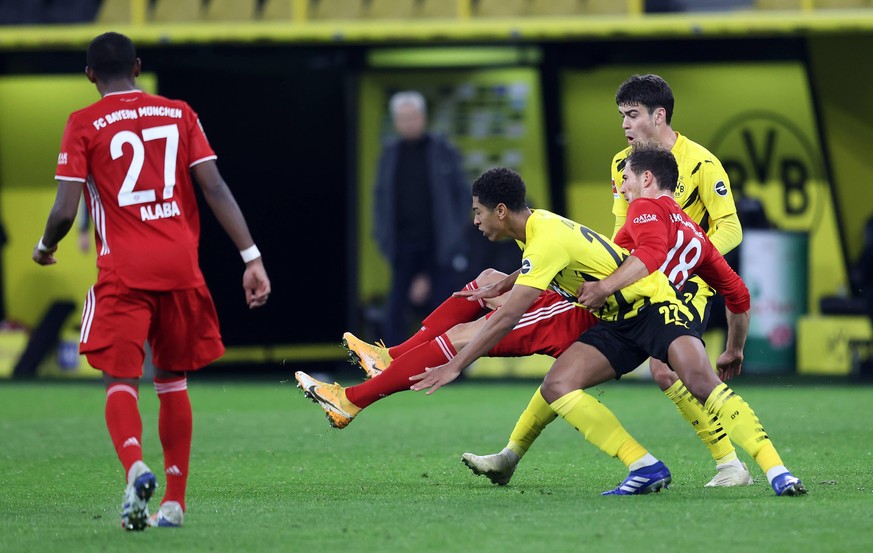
{"type": "Point", "coordinates": [268, 474]}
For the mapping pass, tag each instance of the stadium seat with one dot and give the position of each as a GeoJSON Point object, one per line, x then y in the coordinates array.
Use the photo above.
{"type": "Point", "coordinates": [176, 11]}
{"type": "Point", "coordinates": [438, 9]}
{"type": "Point", "coordinates": [114, 11]}
{"type": "Point", "coordinates": [605, 7]}
{"type": "Point", "coordinates": [552, 8]}
{"type": "Point", "coordinates": [277, 10]}
{"type": "Point", "coordinates": [500, 8]}
{"type": "Point", "coordinates": [231, 10]}
{"type": "Point", "coordinates": [336, 9]}
{"type": "Point", "coordinates": [779, 4]}
{"type": "Point", "coordinates": [841, 4]}
{"type": "Point", "coordinates": [391, 9]}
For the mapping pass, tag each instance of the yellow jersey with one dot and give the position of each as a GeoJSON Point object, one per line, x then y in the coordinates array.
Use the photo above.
{"type": "Point", "coordinates": [561, 254]}
{"type": "Point", "coordinates": [703, 190]}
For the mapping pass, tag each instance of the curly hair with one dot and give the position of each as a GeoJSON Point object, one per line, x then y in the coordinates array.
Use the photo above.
{"type": "Point", "coordinates": [111, 55]}
{"type": "Point", "coordinates": [500, 186]}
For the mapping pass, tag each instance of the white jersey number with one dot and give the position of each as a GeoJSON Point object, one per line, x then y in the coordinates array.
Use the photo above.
{"type": "Point", "coordinates": [687, 259]}
{"type": "Point", "coordinates": [127, 195]}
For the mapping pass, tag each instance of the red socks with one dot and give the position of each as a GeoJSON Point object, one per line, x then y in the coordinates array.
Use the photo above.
{"type": "Point", "coordinates": [124, 423]}
{"type": "Point", "coordinates": [175, 424]}
{"type": "Point", "coordinates": [451, 312]}
{"type": "Point", "coordinates": [396, 377]}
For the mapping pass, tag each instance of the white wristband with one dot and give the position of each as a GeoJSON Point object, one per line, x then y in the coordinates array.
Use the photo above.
{"type": "Point", "coordinates": [42, 247]}
{"type": "Point", "coordinates": [250, 254]}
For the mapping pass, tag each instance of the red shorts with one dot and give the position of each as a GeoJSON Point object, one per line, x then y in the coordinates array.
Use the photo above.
{"type": "Point", "coordinates": [181, 327]}
{"type": "Point", "coordinates": [549, 326]}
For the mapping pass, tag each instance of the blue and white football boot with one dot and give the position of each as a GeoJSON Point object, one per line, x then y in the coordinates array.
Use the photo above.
{"type": "Point", "coordinates": [652, 478]}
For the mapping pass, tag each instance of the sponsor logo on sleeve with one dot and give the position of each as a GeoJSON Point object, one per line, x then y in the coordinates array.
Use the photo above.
{"type": "Point", "coordinates": [645, 218]}
{"type": "Point", "coordinates": [721, 188]}
{"type": "Point", "coordinates": [526, 266]}
{"type": "Point", "coordinates": [62, 158]}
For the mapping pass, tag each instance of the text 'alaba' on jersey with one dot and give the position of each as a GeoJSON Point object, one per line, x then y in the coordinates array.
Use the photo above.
{"type": "Point", "coordinates": [134, 151]}
{"type": "Point", "coordinates": [561, 254]}
{"type": "Point", "coordinates": [663, 236]}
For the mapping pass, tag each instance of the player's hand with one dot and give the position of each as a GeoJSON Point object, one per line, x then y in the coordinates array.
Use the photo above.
{"type": "Point", "coordinates": [256, 283]}
{"type": "Point", "coordinates": [729, 364]}
{"type": "Point", "coordinates": [486, 292]}
{"type": "Point", "coordinates": [85, 242]}
{"type": "Point", "coordinates": [45, 258]}
{"type": "Point", "coordinates": [435, 377]}
{"type": "Point", "coordinates": [592, 295]}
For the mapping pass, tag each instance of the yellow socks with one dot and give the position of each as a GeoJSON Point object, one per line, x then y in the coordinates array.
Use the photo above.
{"type": "Point", "coordinates": [599, 426]}
{"type": "Point", "coordinates": [743, 426]}
{"type": "Point", "coordinates": [708, 429]}
{"type": "Point", "coordinates": [536, 416]}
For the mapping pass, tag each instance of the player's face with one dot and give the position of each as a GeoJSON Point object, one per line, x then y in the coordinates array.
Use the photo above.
{"type": "Point", "coordinates": [409, 122]}
{"type": "Point", "coordinates": [631, 184]}
{"type": "Point", "coordinates": [637, 122]}
{"type": "Point", "coordinates": [486, 220]}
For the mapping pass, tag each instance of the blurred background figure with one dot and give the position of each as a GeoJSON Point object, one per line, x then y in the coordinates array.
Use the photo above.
{"type": "Point", "coordinates": [420, 186]}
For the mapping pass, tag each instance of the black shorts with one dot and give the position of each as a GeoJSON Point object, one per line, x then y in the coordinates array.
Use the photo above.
{"type": "Point", "coordinates": [697, 295]}
{"type": "Point", "coordinates": [626, 344]}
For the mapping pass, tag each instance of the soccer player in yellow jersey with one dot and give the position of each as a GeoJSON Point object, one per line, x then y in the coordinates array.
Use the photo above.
{"type": "Point", "coordinates": [645, 103]}
{"type": "Point", "coordinates": [561, 254]}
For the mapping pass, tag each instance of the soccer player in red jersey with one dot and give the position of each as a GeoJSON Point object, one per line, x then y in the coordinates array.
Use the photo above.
{"type": "Point", "coordinates": [133, 153]}
{"type": "Point", "coordinates": [550, 325]}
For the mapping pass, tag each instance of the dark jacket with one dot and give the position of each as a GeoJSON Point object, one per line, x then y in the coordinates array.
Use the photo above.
{"type": "Point", "coordinates": [450, 200]}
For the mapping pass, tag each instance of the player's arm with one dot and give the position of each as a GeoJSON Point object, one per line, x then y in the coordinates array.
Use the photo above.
{"type": "Point", "coordinates": [592, 295]}
{"type": "Point", "coordinates": [60, 221]}
{"type": "Point", "coordinates": [730, 363]}
{"type": "Point", "coordinates": [493, 290]}
{"type": "Point", "coordinates": [227, 211]}
{"type": "Point", "coordinates": [714, 187]}
{"type": "Point", "coordinates": [650, 251]}
{"type": "Point", "coordinates": [495, 328]}
{"type": "Point", "coordinates": [727, 233]}
{"type": "Point", "coordinates": [619, 222]}
{"type": "Point", "coordinates": [718, 274]}
{"type": "Point", "coordinates": [619, 204]}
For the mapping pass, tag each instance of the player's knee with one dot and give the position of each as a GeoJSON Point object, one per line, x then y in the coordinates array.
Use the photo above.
{"type": "Point", "coordinates": [554, 388]}
{"type": "Point", "coordinates": [489, 276]}
{"type": "Point", "coordinates": [663, 376]}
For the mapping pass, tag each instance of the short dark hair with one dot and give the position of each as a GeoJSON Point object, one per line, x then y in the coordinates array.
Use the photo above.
{"type": "Point", "coordinates": [111, 55]}
{"type": "Point", "coordinates": [500, 186]}
{"type": "Point", "coordinates": [661, 162]}
{"type": "Point", "coordinates": [649, 90]}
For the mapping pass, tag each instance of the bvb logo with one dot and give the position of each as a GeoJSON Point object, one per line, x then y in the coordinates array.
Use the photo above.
{"type": "Point", "coordinates": [768, 157]}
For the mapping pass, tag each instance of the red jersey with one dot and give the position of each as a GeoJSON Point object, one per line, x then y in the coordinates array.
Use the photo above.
{"type": "Point", "coordinates": [665, 238]}
{"type": "Point", "coordinates": [134, 151]}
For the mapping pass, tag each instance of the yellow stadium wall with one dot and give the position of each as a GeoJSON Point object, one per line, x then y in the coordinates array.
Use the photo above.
{"type": "Point", "coordinates": [843, 82]}
{"type": "Point", "coordinates": [33, 112]}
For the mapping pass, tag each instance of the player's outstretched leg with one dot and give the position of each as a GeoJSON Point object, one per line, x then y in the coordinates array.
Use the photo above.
{"type": "Point", "coordinates": [141, 485]}
{"type": "Point", "coordinates": [371, 357]}
{"type": "Point", "coordinates": [331, 397]}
